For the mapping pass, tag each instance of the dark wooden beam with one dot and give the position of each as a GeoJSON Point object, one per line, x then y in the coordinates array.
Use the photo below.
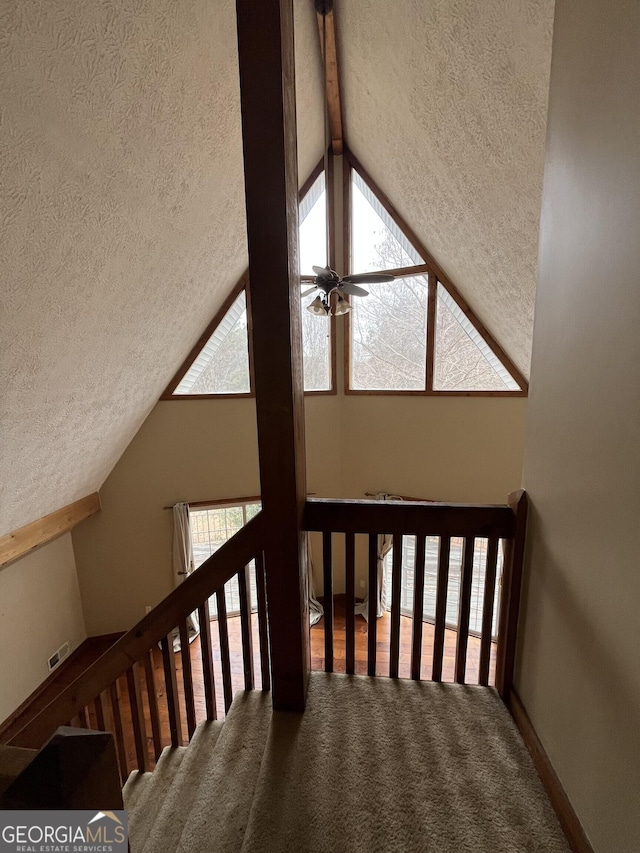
{"type": "Point", "coordinates": [267, 94]}
{"type": "Point", "coordinates": [331, 78]}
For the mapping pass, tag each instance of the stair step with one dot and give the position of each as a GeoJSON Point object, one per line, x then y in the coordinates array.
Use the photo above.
{"type": "Point", "coordinates": [220, 808]}
{"type": "Point", "coordinates": [144, 794]}
{"type": "Point", "coordinates": [133, 791]}
{"type": "Point", "coordinates": [163, 834]}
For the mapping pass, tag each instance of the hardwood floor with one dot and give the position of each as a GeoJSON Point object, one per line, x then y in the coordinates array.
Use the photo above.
{"type": "Point", "coordinates": [383, 647]}
{"type": "Point", "coordinates": [91, 651]}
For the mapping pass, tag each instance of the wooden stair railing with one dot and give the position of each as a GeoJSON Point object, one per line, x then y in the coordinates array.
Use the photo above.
{"type": "Point", "coordinates": [477, 526]}
{"type": "Point", "coordinates": [122, 691]}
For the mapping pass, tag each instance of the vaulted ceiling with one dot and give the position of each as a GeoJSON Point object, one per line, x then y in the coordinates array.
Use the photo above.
{"type": "Point", "coordinates": [121, 193]}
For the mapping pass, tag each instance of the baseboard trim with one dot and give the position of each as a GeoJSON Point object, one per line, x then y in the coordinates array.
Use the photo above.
{"type": "Point", "coordinates": [567, 817]}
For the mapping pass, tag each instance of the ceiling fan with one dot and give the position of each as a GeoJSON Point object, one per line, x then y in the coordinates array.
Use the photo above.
{"type": "Point", "coordinates": [329, 282]}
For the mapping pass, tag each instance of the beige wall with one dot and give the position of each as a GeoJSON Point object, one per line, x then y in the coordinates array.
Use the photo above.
{"type": "Point", "coordinates": [467, 449]}
{"type": "Point", "coordinates": [579, 668]}
{"type": "Point", "coordinates": [40, 610]}
{"type": "Point", "coordinates": [438, 448]}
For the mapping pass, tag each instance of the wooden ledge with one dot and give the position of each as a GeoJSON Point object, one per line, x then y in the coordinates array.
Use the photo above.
{"type": "Point", "coordinates": [31, 536]}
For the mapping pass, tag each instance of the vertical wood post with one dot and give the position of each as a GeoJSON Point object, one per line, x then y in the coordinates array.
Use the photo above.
{"type": "Point", "coordinates": [510, 597]}
{"type": "Point", "coordinates": [267, 95]}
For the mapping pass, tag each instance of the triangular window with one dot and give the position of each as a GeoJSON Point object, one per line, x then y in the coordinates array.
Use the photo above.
{"type": "Point", "coordinates": [222, 366]}
{"type": "Point", "coordinates": [411, 334]}
{"type": "Point", "coordinates": [464, 361]}
{"type": "Point", "coordinates": [377, 243]}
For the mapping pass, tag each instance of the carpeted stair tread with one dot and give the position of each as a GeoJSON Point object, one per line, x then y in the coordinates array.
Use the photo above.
{"type": "Point", "coordinates": [226, 784]}
{"type": "Point", "coordinates": [134, 790]}
{"type": "Point", "coordinates": [378, 765]}
{"type": "Point", "coordinates": [146, 794]}
{"type": "Point", "coordinates": [163, 833]}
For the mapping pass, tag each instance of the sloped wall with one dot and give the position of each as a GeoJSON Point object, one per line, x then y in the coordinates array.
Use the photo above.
{"type": "Point", "coordinates": [460, 450]}
{"type": "Point", "coordinates": [579, 670]}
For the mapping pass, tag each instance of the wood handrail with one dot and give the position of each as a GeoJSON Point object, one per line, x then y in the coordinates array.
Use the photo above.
{"type": "Point", "coordinates": [220, 567]}
{"type": "Point", "coordinates": [408, 518]}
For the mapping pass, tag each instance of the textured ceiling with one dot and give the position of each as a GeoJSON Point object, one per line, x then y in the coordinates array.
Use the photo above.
{"type": "Point", "coordinates": [121, 220]}
{"type": "Point", "coordinates": [121, 193]}
{"type": "Point", "coordinates": [445, 104]}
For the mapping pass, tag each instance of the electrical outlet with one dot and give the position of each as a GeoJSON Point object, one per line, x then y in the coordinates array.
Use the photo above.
{"type": "Point", "coordinates": [361, 584]}
{"type": "Point", "coordinates": [147, 609]}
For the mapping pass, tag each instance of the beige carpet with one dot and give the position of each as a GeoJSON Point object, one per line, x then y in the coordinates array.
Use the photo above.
{"type": "Point", "coordinates": [412, 767]}
{"type": "Point", "coordinates": [372, 766]}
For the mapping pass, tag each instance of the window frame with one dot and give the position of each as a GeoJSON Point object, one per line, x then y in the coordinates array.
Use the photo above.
{"type": "Point", "coordinates": [435, 275]}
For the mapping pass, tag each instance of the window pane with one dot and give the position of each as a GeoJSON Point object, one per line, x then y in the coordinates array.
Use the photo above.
{"type": "Point", "coordinates": [316, 348]}
{"type": "Point", "coordinates": [389, 336]}
{"type": "Point", "coordinates": [222, 367]}
{"type": "Point", "coordinates": [211, 528]}
{"type": "Point", "coordinates": [376, 241]}
{"type": "Point", "coordinates": [432, 545]}
{"type": "Point", "coordinates": [464, 361]}
{"type": "Point", "coordinates": [316, 331]}
{"type": "Point", "coordinates": [313, 227]}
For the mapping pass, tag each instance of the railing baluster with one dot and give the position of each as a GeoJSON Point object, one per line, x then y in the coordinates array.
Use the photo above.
{"type": "Point", "coordinates": [327, 565]}
{"type": "Point", "coordinates": [187, 677]}
{"type": "Point", "coordinates": [441, 607]}
{"type": "Point", "coordinates": [152, 696]}
{"type": "Point", "coordinates": [119, 734]}
{"type": "Point", "coordinates": [464, 610]}
{"type": "Point", "coordinates": [225, 660]}
{"type": "Point", "coordinates": [244, 589]}
{"type": "Point", "coordinates": [487, 610]}
{"type": "Point", "coordinates": [372, 627]}
{"type": "Point", "coordinates": [206, 654]}
{"type": "Point", "coordinates": [98, 708]}
{"type": "Point", "coordinates": [396, 588]}
{"type": "Point", "coordinates": [418, 607]}
{"type": "Point", "coordinates": [263, 625]}
{"type": "Point", "coordinates": [137, 718]}
{"type": "Point", "coordinates": [171, 689]}
{"type": "Point", "coordinates": [350, 590]}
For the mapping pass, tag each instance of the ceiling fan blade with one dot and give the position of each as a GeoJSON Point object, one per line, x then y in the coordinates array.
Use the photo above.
{"type": "Point", "coordinates": [310, 290]}
{"type": "Point", "coordinates": [368, 278]}
{"type": "Point", "coordinates": [352, 289]}
{"type": "Point", "coordinates": [322, 272]}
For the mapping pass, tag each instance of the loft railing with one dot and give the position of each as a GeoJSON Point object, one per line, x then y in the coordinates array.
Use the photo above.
{"type": "Point", "coordinates": [503, 528]}
{"type": "Point", "coordinates": [122, 692]}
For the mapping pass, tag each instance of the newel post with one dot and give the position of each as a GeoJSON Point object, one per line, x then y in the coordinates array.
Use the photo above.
{"type": "Point", "coordinates": [510, 596]}
{"type": "Point", "coordinates": [267, 91]}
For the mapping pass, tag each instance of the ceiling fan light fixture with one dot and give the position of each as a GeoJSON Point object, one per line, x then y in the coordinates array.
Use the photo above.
{"type": "Point", "coordinates": [341, 306]}
{"type": "Point", "coordinates": [318, 307]}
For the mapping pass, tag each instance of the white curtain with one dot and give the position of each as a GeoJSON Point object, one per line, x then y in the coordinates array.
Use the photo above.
{"type": "Point", "coordinates": [385, 543]}
{"type": "Point", "coordinates": [183, 564]}
{"type": "Point", "coordinates": [316, 610]}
